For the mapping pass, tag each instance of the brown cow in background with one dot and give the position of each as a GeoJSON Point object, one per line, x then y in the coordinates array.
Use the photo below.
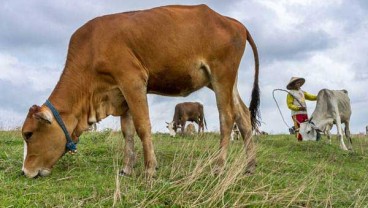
{"type": "Point", "coordinates": [187, 111]}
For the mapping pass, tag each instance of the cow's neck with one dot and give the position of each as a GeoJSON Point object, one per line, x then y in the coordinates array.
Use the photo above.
{"type": "Point", "coordinates": [83, 101]}
{"type": "Point", "coordinates": [70, 98]}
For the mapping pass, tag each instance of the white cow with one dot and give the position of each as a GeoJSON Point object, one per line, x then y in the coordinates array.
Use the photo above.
{"type": "Point", "coordinates": [333, 107]}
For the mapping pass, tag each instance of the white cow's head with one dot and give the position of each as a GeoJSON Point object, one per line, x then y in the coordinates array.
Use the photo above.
{"type": "Point", "coordinates": [309, 131]}
{"type": "Point", "coordinates": [172, 128]}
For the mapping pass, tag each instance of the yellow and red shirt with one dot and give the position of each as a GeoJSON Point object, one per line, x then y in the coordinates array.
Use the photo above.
{"type": "Point", "coordinates": [294, 105]}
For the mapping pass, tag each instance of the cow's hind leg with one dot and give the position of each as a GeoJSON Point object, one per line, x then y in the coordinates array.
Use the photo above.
{"type": "Point", "coordinates": [223, 92]}
{"type": "Point", "coordinates": [243, 120]}
{"type": "Point", "coordinates": [127, 127]}
{"type": "Point", "coordinates": [348, 135]}
{"type": "Point", "coordinates": [200, 126]}
{"type": "Point", "coordinates": [340, 133]}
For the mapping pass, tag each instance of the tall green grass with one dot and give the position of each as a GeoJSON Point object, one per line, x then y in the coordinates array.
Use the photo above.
{"type": "Point", "coordinates": [288, 174]}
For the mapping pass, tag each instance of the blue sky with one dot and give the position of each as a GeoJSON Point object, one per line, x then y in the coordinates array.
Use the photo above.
{"type": "Point", "coordinates": [323, 41]}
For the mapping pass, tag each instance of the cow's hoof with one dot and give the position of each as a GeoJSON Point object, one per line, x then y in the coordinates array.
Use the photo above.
{"type": "Point", "coordinates": [123, 173]}
{"type": "Point", "coordinates": [150, 173]}
{"type": "Point", "coordinates": [249, 172]}
{"type": "Point", "coordinates": [217, 170]}
{"type": "Point", "coordinates": [251, 168]}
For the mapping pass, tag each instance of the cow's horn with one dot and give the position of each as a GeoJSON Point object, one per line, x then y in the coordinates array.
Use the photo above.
{"type": "Point", "coordinates": [310, 120]}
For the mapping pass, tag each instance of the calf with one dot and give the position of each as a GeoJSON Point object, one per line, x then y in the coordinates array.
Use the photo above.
{"type": "Point", "coordinates": [190, 129]}
{"type": "Point", "coordinates": [235, 133]}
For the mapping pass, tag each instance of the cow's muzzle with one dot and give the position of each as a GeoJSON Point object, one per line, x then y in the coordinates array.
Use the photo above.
{"type": "Point", "coordinates": [36, 174]}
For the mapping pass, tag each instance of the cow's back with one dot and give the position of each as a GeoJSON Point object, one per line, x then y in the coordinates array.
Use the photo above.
{"type": "Point", "coordinates": [188, 28]}
{"type": "Point", "coordinates": [327, 100]}
{"type": "Point", "coordinates": [188, 111]}
{"type": "Point", "coordinates": [176, 45]}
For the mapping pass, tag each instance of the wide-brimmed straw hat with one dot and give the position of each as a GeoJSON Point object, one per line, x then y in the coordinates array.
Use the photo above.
{"type": "Point", "coordinates": [293, 80]}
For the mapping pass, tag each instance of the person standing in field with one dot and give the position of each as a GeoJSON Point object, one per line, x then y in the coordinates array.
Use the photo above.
{"type": "Point", "coordinates": [296, 102]}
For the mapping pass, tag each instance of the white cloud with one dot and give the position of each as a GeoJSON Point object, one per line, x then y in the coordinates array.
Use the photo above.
{"type": "Point", "coordinates": [10, 119]}
{"type": "Point", "coordinates": [38, 78]}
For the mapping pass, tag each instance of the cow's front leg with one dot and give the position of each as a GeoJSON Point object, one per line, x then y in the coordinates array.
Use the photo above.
{"type": "Point", "coordinates": [182, 123]}
{"type": "Point", "coordinates": [134, 89]}
{"type": "Point", "coordinates": [127, 127]}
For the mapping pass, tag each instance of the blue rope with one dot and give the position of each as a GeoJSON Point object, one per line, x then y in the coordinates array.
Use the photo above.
{"type": "Point", "coordinates": [70, 145]}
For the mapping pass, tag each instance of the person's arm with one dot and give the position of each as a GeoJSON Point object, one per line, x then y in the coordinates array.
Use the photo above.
{"type": "Point", "coordinates": [309, 96]}
{"type": "Point", "coordinates": [290, 103]}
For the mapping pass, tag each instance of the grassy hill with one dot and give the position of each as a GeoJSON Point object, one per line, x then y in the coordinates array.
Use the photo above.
{"type": "Point", "coordinates": [289, 173]}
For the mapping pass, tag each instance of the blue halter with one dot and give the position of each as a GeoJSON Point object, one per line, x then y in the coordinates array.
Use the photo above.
{"type": "Point", "coordinates": [70, 145]}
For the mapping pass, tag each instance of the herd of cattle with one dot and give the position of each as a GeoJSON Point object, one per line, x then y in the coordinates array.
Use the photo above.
{"type": "Point", "coordinates": [114, 61]}
{"type": "Point", "coordinates": [193, 112]}
{"type": "Point", "coordinates": [333, 107]}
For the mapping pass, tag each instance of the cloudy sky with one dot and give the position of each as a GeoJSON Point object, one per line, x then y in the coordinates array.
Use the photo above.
{"type": "Point", "coordinates": [322, 41]}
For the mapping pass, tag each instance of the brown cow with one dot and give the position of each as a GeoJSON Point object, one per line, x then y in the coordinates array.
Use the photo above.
{"type": "Point", "coordinates": [187, 111]}
{"type": "Point", "coordinates": [113, 61]}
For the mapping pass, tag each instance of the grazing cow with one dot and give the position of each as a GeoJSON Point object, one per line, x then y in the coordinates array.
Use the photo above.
{"type": "Point", "coordinates": [187, 111]}
{"type": "Point", "coordinates": [113, 61]}
{"type": "Point", "coordinates": [235, 133]}
{"type": "Point", "coordinates": [333, 107]}
{"type": "Point", "coordinates": [190, 129]}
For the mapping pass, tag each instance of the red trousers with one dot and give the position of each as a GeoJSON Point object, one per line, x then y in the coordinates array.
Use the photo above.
{"type": "Point", "coordinates": [299, 118]}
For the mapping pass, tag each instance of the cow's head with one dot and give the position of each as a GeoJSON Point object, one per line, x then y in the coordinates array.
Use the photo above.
{"type": "Point", "coordinates": [44, 142]}
{"type": "Point", "coordinates": [309, 131]}
{"type": "Point", "coordinates": [172, 128]}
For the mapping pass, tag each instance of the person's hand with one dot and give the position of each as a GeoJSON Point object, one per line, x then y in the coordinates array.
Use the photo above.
{"type": "Point", "coordinates": [302, 108]}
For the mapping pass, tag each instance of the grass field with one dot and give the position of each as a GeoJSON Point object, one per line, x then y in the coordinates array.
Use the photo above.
{"type": "Point", "coordinates": [289, 174]}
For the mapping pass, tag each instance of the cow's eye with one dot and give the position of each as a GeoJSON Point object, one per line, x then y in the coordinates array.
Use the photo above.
{"type": "Point", "coordinates": [27, 135]}
{"type": "Point", "coordinates": [308, 132]}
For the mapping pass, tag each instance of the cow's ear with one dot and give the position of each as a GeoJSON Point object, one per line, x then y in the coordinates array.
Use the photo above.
{"type": "Point", "coordinates": [43, 115]}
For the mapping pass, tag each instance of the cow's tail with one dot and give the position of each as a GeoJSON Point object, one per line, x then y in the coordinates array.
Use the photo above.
{"type": "Point", "coordinates": [255, 100]}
